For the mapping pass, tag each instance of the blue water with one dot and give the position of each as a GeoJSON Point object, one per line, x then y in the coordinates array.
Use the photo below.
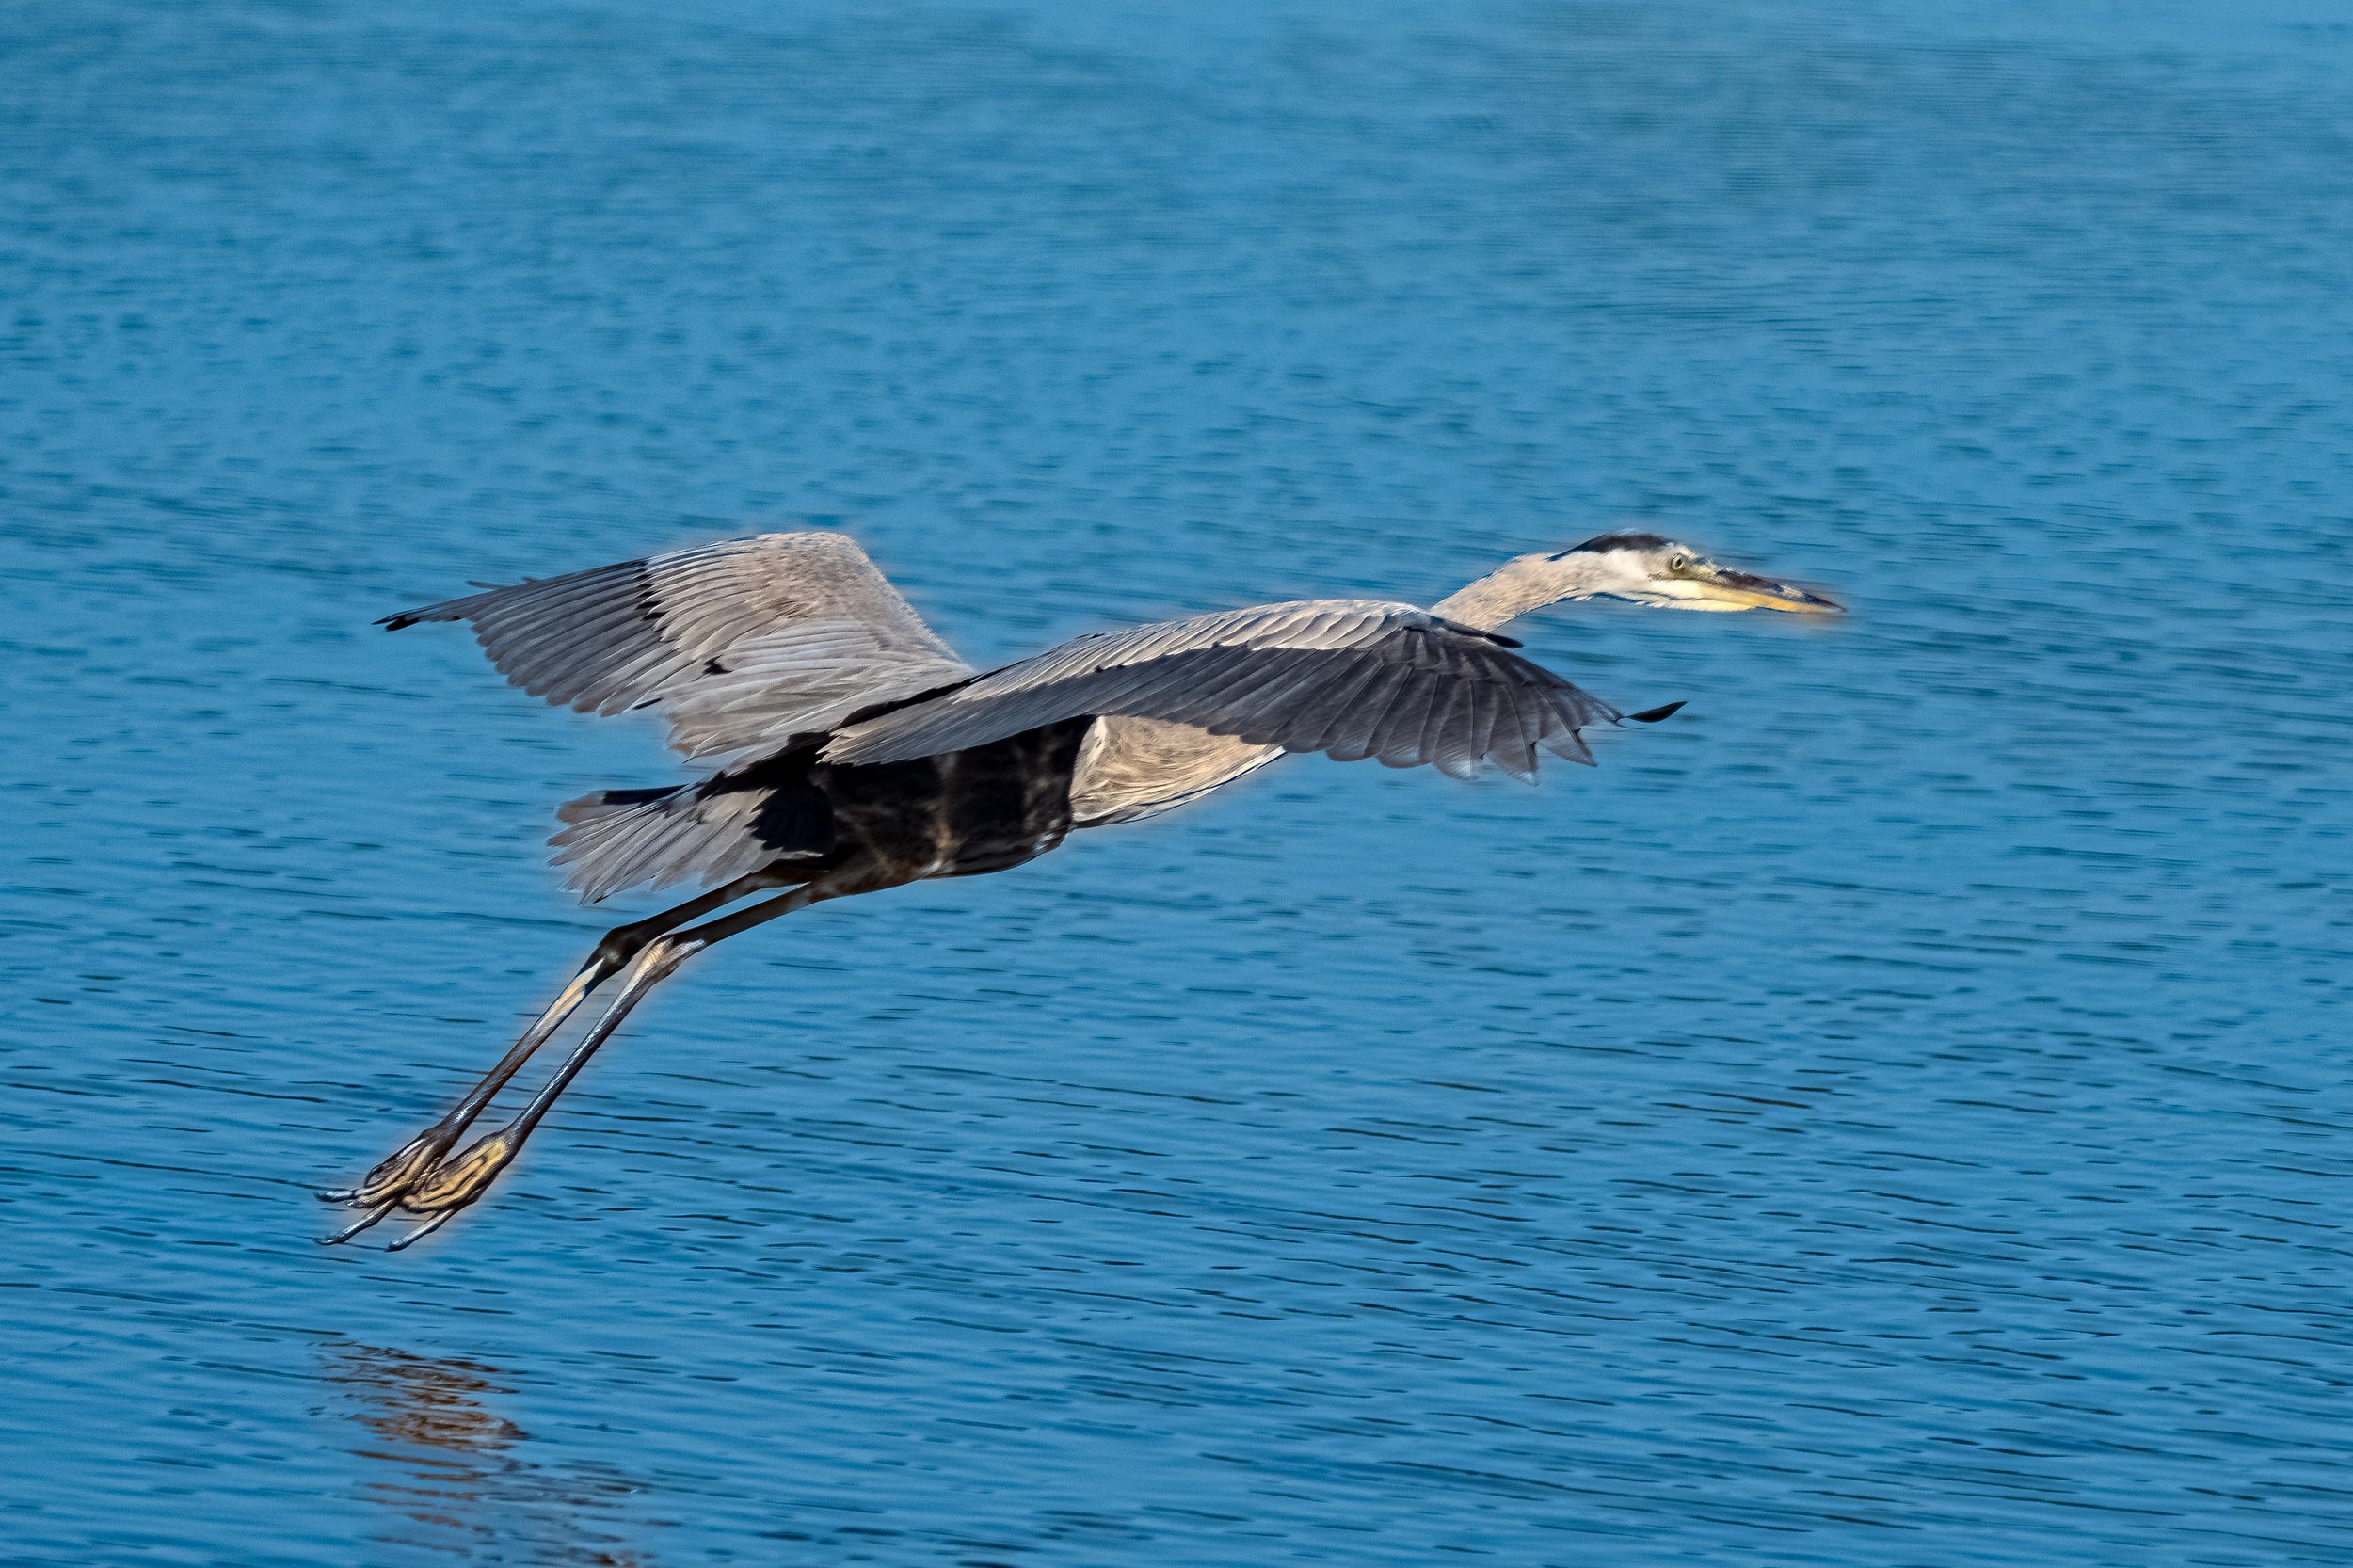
{"type": "Point", "coordinates": [1895, 1113]}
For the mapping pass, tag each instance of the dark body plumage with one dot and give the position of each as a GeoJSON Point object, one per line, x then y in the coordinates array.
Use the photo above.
{"type": "Point", "coordinates": [984, 808]}
{"type": "Point", "coordinates": [962, 813]}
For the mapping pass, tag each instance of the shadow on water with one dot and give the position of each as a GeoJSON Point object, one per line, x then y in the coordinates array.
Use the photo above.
{"type": "Point", "coordinates": [443, 1465]}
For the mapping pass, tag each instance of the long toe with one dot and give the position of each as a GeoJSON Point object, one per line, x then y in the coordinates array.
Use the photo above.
{"type": "Point", "coordinates": [463, 1177]}
{"type": "Point", "coordinates": [419, 1233]}
{"type": "Point", "coordinates": [356, 1225]}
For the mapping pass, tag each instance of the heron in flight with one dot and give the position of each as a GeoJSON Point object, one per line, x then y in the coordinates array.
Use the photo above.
{"type": "Point", "coordinates": [853, 751]}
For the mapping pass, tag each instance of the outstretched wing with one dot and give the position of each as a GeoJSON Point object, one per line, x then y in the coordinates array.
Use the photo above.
{"type": "Point", "coordinates": [740, 643]}
{"type": "Point", "coordinates": [1350, 678]}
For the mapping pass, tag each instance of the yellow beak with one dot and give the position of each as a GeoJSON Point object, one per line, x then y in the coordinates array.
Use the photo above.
{"type": "Point", "coordinates": [1739, 590]}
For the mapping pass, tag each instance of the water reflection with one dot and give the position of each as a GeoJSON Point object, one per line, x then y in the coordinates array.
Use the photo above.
{"type": "Point", "coordinates": [443, 1465]}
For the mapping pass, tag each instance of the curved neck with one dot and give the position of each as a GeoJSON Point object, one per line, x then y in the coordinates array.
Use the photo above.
{"type": "Point", "coordinates": [1521, 585]}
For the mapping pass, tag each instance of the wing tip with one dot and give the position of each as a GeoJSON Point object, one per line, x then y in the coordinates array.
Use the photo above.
{"type": "Point", "coordinates": [450, 609]}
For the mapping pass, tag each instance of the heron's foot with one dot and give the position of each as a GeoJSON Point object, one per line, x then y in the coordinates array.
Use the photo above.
{"type": "Point", "coordinates": [456, 1182]}
{"type": "Point", "coordinates": [400, 1171]}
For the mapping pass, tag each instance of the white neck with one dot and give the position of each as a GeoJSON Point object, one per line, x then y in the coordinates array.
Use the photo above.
{"type": "Point", "coordinates": [1521, 585]}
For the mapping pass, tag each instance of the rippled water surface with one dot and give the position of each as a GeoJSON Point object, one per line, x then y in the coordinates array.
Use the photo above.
{"type": "Point", "coordinates": [1893, 1113]}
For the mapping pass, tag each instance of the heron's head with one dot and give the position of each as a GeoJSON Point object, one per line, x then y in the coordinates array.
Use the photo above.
{"type": "Point", "coordinates": [1648, 570]}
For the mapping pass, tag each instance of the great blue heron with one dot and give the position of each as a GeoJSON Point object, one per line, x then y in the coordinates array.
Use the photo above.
{"type": "Point", "coordinates": [857, 752]}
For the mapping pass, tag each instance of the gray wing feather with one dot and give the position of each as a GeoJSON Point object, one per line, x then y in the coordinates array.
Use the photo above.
{"type": "Point", "coordinates": [1358, 713]}
{"type": "Point", "coordinates": [1437, 744]}
{"type": "Point", "coordinates": [1335, 704]}
{"type": "Point", "coordinates": [1354, 677]}
{"type": "Point", "coordinates": [741, 642]}
{"type": "Point", "coordinates": [1408, 712]}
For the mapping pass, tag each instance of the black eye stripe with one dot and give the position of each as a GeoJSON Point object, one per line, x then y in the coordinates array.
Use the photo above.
{"type": "Point", "coordinates": [1616, 541]}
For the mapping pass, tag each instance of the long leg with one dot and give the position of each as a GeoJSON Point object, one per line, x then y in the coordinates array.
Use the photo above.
{"type": "Point", "coordinates": [459, 1179]}
{"type": "Point", "coordinates": [381, 1187]}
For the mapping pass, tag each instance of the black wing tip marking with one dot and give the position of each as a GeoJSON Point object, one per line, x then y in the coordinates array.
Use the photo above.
{"type": "Point", "coordinates": [1481, 633]}
{"type": "Point", "coordinates": [454, 609]}
{"type": "Point", "coordinates": [406, 618]}
{"type": "Point", "coordinates": [1623, 539]}
{"type": "Point", "coordinates": [1652, 715]}
{"type": "Point", "coordinates": [463, 609]}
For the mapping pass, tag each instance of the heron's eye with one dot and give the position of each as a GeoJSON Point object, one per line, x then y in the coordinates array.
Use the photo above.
{"type": "Point", "coordinates": [1677, 562]}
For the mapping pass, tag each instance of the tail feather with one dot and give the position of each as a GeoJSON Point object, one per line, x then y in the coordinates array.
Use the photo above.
{"type": "Point", "coordinates": [616, 839]}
